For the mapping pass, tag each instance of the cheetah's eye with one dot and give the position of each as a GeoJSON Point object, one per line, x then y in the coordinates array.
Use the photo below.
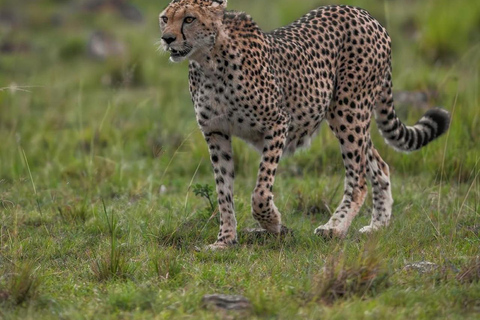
{"type": "Point", "coordinates": [164, 19]}
{"type": "Point", "coordinates": [189, 20]}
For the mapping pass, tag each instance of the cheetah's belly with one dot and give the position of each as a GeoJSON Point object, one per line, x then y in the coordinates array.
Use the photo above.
{"type": "Point", "coordinates": [215, 117]}
{"type": "Point", "coordinates": [244, 132]}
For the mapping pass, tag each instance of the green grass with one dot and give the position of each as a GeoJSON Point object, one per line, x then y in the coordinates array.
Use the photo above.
{"type": "Point", "coordinates": [98, 212]}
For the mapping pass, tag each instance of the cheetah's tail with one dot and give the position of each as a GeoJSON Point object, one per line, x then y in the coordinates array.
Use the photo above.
{"type": "Point", "coordinates": [434, 123]}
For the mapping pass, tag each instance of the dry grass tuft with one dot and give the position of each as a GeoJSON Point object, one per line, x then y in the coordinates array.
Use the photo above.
{"type": "Point", "coordinates": [113, 264]}
{"type": "Point", "coordinates": [341, 280]}
{"type": "Point", "coordinates": [166, 265]}
{"type": "Point", "coordinates": [19, 286]}
{"type": "Point", "coordinates": [470, 273]}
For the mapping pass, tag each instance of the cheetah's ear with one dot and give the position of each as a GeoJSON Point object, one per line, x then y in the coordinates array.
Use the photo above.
{"type": "Point", "coordinates": [216, 3]}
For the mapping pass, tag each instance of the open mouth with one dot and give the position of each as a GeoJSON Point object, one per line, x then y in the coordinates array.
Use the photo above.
{"type": "Point", "coordinates": [179, 53]}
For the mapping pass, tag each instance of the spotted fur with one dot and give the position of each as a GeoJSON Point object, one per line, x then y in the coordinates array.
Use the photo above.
{"type": "Point", "coordinates": [274, 89]}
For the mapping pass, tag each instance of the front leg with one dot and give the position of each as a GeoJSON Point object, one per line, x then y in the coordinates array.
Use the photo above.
{"type": "Point", "coordinates": [221, 155]}
{"type": "Point", "coordinates": [263, 208]}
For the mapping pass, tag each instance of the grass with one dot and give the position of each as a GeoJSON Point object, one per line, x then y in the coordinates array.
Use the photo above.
{"type": "Point", "coordinates": [115, 263]}
{"type": "Point", "coordinates": [100, 162]}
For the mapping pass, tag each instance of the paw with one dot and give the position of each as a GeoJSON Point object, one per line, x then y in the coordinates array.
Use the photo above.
{"type": "Point", "coordinates": [368, 229]}
{"type": "Point", "coordinates": [273, 228]}
{"type": "Point", "coordinates": [372, 228]}
{"type": "Point", "coordinates": [328, 232]}
{"type": "Point", "coordinates": [216, 246]}
{"type": "Point", "coordinates": [220, 245]}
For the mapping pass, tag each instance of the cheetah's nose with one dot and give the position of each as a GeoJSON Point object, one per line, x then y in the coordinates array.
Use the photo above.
{"type": "Point", "coordinates": [169, 38]}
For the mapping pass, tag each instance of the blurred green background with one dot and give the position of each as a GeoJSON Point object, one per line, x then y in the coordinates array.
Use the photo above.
{"type": "Point", "coordinates": [85, 89]}
{"type": "Point", "coordinates": [92, 113]}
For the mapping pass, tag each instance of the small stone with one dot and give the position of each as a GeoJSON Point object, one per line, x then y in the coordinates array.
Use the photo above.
{"type": "Point", "coordinates": [421, 267]}
{"type": "Point", "coordinates": [129, 11]}
{"type": "Point", "coordinates": [4, 296]}
{"type": "Point", "coordinates": [125, 9]}
{"type": "Point", "coordinates": [163, 189]}
{"type": "Point", "coordinates": [102, 45]}
{"type": "Point", "coordinates": [226, 302]}
{"type": "Point", "coordinates": [10, 47]}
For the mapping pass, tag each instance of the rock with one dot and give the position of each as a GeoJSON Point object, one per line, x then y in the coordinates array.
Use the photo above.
{"type": "Point", "coordinates": [226, 302]}
{"type": "Point", "coordinates": [125, 9]}
{"type": "Point", "coordinates": [102, 45]}
{"type": "Point", "coordinates": [421, 267]}
{"type": "Point", "coordinates": [8, 19]}
{"type": "Point", "coordinates": [162, 189]}
{"type": "Point", "coordinates": [4, 295]}
{"type": "Point", "coordinates": [10, 47]}
{"type": "Point", "coordinates": [129, 11]}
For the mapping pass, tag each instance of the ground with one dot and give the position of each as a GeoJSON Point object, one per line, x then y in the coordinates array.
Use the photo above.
{"type": "Point", "coordinates": [85, 141]}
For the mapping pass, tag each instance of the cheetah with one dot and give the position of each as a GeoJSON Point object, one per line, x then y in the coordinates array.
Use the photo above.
{"type": "Point", "coordinates": [273, 89]}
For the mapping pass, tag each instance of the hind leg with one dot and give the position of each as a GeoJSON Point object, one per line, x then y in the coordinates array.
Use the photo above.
{"type": "Point", "coordinates": [358, 82]}
{"type": "Point", "coordinates": [351, 132]}
{"type": "Point", "coordinates": [379, 176]}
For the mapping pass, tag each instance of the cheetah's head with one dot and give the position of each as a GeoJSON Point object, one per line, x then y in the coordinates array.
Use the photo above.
{"type": "Point", "coordinates": [189, 27]}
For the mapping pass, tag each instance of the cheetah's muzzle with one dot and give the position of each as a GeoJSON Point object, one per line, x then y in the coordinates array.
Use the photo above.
{"type": "Point", "coordinates": [179, 53]}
